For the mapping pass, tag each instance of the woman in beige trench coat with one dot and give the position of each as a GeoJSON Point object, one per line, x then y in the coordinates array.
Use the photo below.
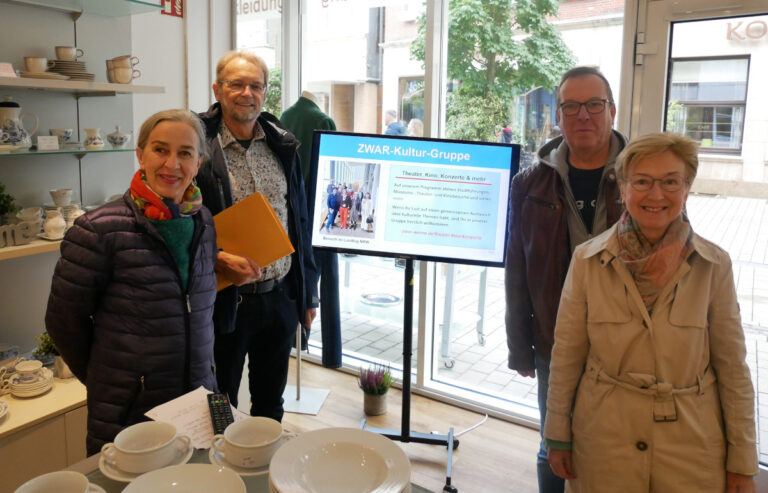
{"type": "Point", "coordinates": [649, 390]}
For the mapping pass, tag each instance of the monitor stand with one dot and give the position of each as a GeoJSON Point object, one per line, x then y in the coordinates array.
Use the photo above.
{"type": "Point", "coordinates": [405, 435]}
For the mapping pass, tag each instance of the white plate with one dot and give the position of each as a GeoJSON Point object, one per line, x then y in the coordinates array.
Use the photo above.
{"type": "Point", "coordinates": [218, 460]}
{"type": "Point", "coordinates": [43, 75]}
{"type": "Point", "coordinates": [340, 460]}
{"type": "Point", "coordinates": [49, 238]}
{"type": "Point", "coordinates": [182, 457]}
{"type": "Point", "coordinates": [30, 393]}
{"type": "Point", "coordinates": [189, 478]}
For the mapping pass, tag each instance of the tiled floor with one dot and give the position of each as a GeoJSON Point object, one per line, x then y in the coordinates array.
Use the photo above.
{"type": "Point", "coordinates": [739, 225]}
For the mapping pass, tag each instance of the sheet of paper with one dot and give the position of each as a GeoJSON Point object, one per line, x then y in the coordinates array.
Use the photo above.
{"type": "Point", "coordinates": [189, 414]}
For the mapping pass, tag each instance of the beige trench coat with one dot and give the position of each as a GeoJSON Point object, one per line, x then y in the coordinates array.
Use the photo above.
{"type": "Point", "coordinates": [660, 403]}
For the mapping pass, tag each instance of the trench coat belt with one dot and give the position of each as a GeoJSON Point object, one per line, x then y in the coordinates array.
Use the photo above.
{"type": "Point", "coordinates": [663, 393]}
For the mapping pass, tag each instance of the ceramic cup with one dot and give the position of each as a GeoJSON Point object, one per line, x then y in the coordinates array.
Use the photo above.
{"type": "Point", "coordinates": [30, 215]}
{"type": "Point", "coordinates": [249, 443]}
{"type": "Point", "coordinates": [61, 196]}
{"type": "Point", "coordinates": [125, 75]}
{"type": "Point", "coordinates": [29, 371]}
{"type": "Point", "coordinates": [37, 64]}
{"type": "Point", "coordinates": [125, 61]}
{"type": "Point", "coordinates": [68, 53]}
{"type": "Point", "coordinates": [59, 481]}
{"type": "Point", "coordinates": [63, 134]}
{"type": "Point", "coordinates": [144, 447]}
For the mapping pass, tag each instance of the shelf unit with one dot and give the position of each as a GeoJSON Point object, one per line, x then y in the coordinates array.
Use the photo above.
{"type": "Point", "coordinates": [78, 89]}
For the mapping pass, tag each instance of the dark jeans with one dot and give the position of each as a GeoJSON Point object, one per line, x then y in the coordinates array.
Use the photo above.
{"type": "Point", "coordinates": [330, 318]}
{"type": "Point", "coordinates": [331, 219]}
{"type": "Point", "coordinates": [548, 482]}
{"type": "Point", "coordinates": [265, 330]}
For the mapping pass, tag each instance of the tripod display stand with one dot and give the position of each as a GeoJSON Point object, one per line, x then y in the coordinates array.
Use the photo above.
{"type": "Point", "coordinates": [405, 434]}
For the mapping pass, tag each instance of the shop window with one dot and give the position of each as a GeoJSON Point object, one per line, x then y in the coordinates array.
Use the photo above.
{"type": "Point", "coordinates": [707, 100]}
{"type": "Point", "coordinates": [258, 30]}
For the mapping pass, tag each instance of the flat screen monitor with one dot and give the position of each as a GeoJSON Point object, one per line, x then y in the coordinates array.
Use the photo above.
{"type": "Point", "coordinates": [425, 199]}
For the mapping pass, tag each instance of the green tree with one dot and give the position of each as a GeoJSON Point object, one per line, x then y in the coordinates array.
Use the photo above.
{"type": "Point", "coordinates": [273, 102]}
{"type": "Point", "coordinates": [496, 50]}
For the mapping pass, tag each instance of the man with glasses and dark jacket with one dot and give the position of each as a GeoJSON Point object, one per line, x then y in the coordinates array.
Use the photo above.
{"type": "Point", "coordinates": [567, 197]}
{"type": "Point", "coordinates": [250, 152]}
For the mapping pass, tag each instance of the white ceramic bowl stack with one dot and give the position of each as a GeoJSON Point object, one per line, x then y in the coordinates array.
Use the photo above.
{"type": "Point", "coordinates": [340, 460]}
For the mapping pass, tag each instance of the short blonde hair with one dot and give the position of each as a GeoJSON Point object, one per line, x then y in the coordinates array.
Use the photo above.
{"type": "Point", "coordinates": [244, 55]}
{"type": "Point", "coordinates": [648, 145]}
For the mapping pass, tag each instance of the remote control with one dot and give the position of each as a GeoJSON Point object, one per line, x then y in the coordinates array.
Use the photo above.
{"type": "Point", "coordinates": [221, 412]}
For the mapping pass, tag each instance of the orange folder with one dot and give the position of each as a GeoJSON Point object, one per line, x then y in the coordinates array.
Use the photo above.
{"type": "Point", "coordinates": [251, 228]}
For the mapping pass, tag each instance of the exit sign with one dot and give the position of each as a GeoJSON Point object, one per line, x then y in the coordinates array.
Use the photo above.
{"type": "Point", "coordinates": [173, 7]}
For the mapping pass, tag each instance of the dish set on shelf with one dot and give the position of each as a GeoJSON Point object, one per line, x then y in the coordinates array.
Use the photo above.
{"type": "Point", "coordinates": [30, 379]}
{"type": "Point", "coordinates": [14, 136]}
{"type": "Point", "coordinates": [66, 66]}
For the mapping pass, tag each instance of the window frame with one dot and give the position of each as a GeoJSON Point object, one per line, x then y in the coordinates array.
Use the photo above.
{"type": "Point", "coordinates": [713, 104]}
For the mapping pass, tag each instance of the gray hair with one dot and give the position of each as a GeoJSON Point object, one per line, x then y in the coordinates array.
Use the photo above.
{"type": "Point", "coordinates": [243, 55]}
{"type": "Point", "coordinates": [581, 72]}
{"type": "Point", "coordinates": [181, 116]}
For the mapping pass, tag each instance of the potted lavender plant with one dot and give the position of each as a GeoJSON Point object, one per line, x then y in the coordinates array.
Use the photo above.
{"type": "Point", "coordinates": [375, 383]}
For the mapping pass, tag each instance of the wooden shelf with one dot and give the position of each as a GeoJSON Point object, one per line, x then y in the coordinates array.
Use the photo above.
{"type": "Point", "coordinates": [34, 248]}
{"type": "Point", "coordinates": [78, 87]}
{"type": "Point", "coordinates": [113, 8]}
{"type": "Point", "coordinates": [79, 151]}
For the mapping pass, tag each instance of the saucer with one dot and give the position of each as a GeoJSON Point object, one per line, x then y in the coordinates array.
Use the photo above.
{"type": "Point", "coordinates": [182, 457]}
{"type": "Point", "coordinates": [218, 460]}
{"type": "Point", "coordinates": [49, 238]}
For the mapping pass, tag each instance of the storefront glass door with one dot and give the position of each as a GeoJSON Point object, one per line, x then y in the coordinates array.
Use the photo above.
{"type": "Point", "coordinates": [702, 72]}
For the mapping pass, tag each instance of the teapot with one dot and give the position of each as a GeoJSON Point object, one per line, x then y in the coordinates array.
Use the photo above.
{"type": "Point", "coordinates": [12, 132]}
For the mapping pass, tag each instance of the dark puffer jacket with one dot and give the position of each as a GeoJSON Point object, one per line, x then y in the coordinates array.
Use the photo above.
{"type": "Point", "coordinates": [120, 318]}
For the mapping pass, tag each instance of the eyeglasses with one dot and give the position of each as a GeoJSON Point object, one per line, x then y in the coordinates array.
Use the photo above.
{"type": "Point", "coordinates": [670, 183]}
{"type": "Point", "coordinates": [239, 86]}
{"type": "Point", "coordinates": [593, 106]}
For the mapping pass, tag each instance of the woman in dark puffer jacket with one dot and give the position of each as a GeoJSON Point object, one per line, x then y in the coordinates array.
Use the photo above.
{"type": "Point", "coordinates": [132, 296]}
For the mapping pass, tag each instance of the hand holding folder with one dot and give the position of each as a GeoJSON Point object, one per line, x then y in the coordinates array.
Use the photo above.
{"type": "Point", "coordinates": [251, 228]}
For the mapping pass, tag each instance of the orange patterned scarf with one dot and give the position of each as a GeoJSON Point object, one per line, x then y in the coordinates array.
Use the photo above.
{"type": "Point", "coordinates": [652, 266]}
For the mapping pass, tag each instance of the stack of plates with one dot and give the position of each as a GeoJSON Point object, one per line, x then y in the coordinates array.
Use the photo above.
{"type": "Point", "coordinates": [43, 75]}
{"type": "Point", "coordinates": [340, 460]}
{"type": "Point", "coordinates": [72, 69]}
{"type": "Point", "coordinates": [31, 388]}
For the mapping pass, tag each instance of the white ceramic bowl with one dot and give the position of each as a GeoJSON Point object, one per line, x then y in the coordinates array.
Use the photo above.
{"type": "Point", "coordinates": [188, 478]}
{"type": "Point", "coordinates": [59, 481]}
{"type": "Point", "coordinates": [250, 442]}
{"type": "Point", "coordinates": [340, 460]}
{"type": "Point", "coordinates": [143, 447]}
